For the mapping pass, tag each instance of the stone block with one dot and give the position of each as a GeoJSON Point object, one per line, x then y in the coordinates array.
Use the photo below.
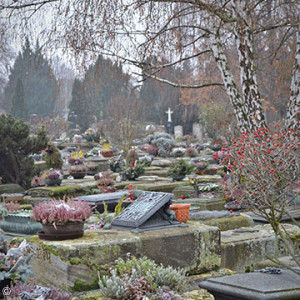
{"type": "Point", "coordinates": [160, 173]}
{"type": "Point", "coordinates": [254, 243]}
{"type": "Point", "coordinates": [192, 248]}
{"type": "Point", "coordinates": [161, 163]}
{"type": "Point", "coordinates": [209, 178]}
{"type": "Point", "coordinates": [10, 188]}
{"type": "Point", "coordinates": [164, 187]}
{"type": "Point", "coordinates": [226, 223]}
{"type": "Point", "coordinates": [60, 191]}
{"type": "Point", "coordinates": [204, 203]}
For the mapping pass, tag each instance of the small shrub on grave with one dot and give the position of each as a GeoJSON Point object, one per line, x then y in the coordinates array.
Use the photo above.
{"type": "Point", "coordinates": [265, 168]}
{"type": "Point", "coordinates": [140, 278]}
{"type": "Point", "coordinates": [163, 141]}
{"type": "Point", "coordinates": [53, 158]}
{"type": "Point", "coordinates": [180, 168]}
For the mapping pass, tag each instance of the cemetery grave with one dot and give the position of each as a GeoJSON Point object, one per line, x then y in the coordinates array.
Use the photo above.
{"type": "Point", "coordinates": [213, 237]}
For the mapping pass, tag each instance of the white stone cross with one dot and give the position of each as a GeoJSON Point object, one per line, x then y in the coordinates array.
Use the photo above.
{"type": "Point", "coordinates": [169, 112]}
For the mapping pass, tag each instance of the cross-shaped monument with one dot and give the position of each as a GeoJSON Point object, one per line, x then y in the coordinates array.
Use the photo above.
{"type": "Point", "coordinates": [169, 124]}
{"type": "Point", "coordinates": [169, 112]}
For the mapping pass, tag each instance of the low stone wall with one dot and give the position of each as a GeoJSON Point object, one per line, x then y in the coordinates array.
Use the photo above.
{"type": "Point", "coordinates": [73, 263]}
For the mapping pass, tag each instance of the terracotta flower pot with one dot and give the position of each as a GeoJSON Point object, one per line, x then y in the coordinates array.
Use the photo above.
{"type": "Point", "coordinates": [107, 153]}
{"type": "Point", "coordinates": [182, 211]}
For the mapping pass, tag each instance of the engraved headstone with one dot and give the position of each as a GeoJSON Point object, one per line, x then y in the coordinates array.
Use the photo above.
{"type": "Point", "coordinates": [149, 211]}
{"type": "Point", "coordinates": [178, 131]}
{"type": "Point", "coordinates": [197, 131]}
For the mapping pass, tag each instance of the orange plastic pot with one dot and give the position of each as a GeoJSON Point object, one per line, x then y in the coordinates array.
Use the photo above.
{"type": "Point", "coordinates": [182, 211]}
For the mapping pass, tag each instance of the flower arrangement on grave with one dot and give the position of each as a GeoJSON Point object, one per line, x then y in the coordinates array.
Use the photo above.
{"type": "Point", "coordinates": [52, 174]}
{"type": "Point", "coordinates": [133, 170]}
{"type": "Point", "coordinates": [152, 150]}
{"type": "Point", "coordinates": [37, 181]}
{"type": "Point", "coordinates": [116, 164]}
{"type": "Point", "coordinates": [76, 158]}
{"type": "Point", "coordinates": [78, 168]}
{"type": "Point", "coordinates": [34, 291]}
{"type": "Point", "coordinates": [200, 167]}
{"type": "Point", "coordinates": [13, 266]}
{"type": "Point", "coordinates": [89, 135]}
{"type": "Point", "coordinates": [106, 183]}
{"type": "Point", "coordinates": [191, 152]}
{"type": "Point", "coordinates": [179, 170]}
{"type": "Point", "coordinates": [61, 216]}
{"type": "Point", "coordinates": [178, 152]}
{"type": "Point", "coordinates": [107, 150]}
{"type": "Point", "coordinates": [11, 205]}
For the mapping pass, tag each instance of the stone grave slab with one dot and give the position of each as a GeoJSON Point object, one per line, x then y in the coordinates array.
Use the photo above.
{"type": "Point", "coordinates": [161, 163]}
{"type": "Point", "coordinates": [223, 219]}
{"type": "Point", "coordinates": [11, 188]}
{"type": "Point", "coordinates": [110, 199]}
{"type": "Point", "coordinates": [255, 243]}
{"type": "Point", "coordinates": [148, 212]}
{"type": "Point", "coordinates": [204, 202]}
{"type": "Point", "coordinates": [255, 286]}
{"type": "Point", "coordinates": [193, 248]}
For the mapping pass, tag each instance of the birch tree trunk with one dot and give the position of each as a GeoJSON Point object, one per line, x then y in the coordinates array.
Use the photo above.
{"type": "Point", "coordinates": [244, 42]}
{"type": "Point", "coordinates": [229, 83]}
{"type": "Point", "coordinates": [293, 113]}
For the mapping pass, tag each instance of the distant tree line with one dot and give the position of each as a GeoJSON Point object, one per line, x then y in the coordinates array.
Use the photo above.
{"type": "Point", "coordinates": [32, 87]}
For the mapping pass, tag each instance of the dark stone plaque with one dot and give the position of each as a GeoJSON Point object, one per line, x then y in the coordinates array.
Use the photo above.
{"type": "Point", "coordinates": [111, 199]}
{"type": "Point", "coordinates": [255, 286]}
{"type": "Point", "coordinates": [149, 211]}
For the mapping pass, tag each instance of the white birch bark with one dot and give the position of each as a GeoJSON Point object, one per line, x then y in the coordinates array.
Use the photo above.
{"type": "Point", "coordinates": [229, 83]}
{"type": "Point", "coordinates": [244, 41]}
{"type": "Point", "coordinates": [293, 112]}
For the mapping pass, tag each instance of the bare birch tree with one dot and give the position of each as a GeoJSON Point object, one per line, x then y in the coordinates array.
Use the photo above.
{"type": "Point", "coordinates": [177, 30]}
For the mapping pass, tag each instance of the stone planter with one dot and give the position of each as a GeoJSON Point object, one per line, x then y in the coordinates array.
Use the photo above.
{"type": "Point", "coordinates": [53, 182]}
{"type": "Point", "coordinates": [61, 232]}
{"type": "Point", "coordinates": [78, 174]}
{"type": "Point", "coordinates": [182, 211]}
{"type": "Point", "coordinates": [20, 224]}
{"type": "Point", "coordinates": [177, 177]}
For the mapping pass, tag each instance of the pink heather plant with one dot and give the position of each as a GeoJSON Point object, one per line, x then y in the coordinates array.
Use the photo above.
{"type": "Point", "coordinates": [59, 212]}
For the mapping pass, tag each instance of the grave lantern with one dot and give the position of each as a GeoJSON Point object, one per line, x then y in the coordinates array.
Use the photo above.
{"type": "Point", "coordinates": [193, 180]}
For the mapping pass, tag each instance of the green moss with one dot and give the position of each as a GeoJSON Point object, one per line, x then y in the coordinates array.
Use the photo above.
{"type": "Point", "coordinates": [75, 261]}
{"type": "Point", "coordinates": [26, 206]}
{"type": "Point", "coordinates": [80, 286]}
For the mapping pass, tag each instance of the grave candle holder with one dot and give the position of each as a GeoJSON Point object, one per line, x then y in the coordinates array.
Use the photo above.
{"type": "Point", "coordinates": [193, 180]}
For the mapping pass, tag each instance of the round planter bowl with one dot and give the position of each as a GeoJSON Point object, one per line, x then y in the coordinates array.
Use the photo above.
{"type": "Point", "coordinates": [176, 177]}
{"type": "Point", "coordinates": [70, 228]}
{"type": "Point", "coordinates": [77, 175]}
{"type": "Point", "coordinates": [182, 211]}
{"type": "Point", "coordinates": [53, 182]}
